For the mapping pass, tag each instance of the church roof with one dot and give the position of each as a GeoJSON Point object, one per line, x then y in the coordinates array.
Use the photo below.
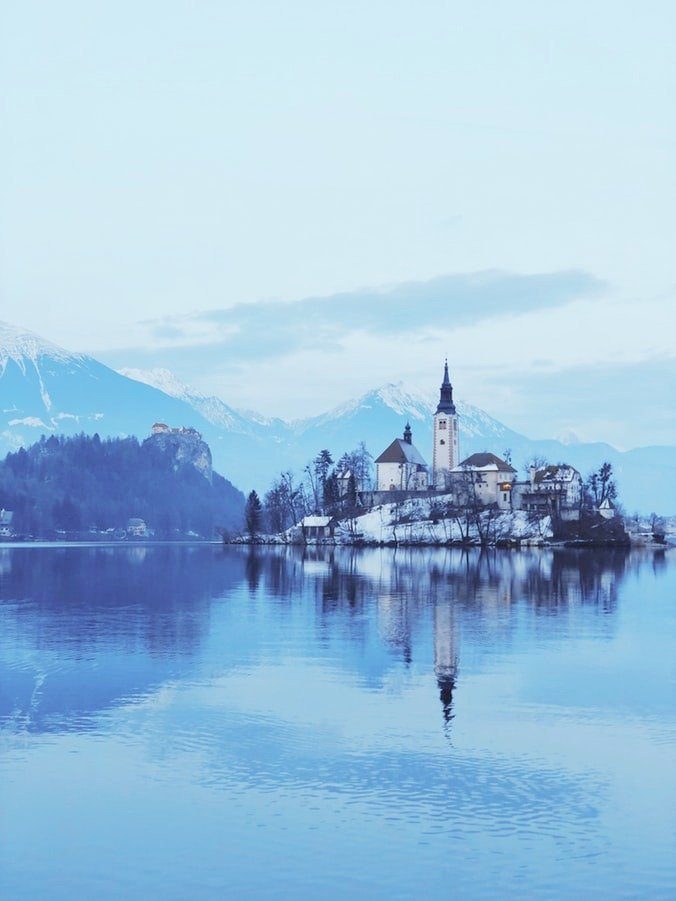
{"type": "Point", "coordinates": [446, 404]}
{"type": "Point", "coordinates": [485, 461]}
{"type": "Point", "coordinates": [401, 451]}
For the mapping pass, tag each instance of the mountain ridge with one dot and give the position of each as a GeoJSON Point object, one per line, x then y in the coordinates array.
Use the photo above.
{"type": "Point", "coordinates": [47, 389]}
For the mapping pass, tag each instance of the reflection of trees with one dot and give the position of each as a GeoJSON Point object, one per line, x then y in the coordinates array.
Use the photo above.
{"type": "Point", "coordinates": [473, 589]}
{"type": "Point", "coordinates": [151, 608]}
{"type": "Point", "coordinates": [97, 625]}
{"type": "Point", "coordinates": [158, 599]}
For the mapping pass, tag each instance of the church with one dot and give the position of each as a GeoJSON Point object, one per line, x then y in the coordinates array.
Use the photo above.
{"type": "Point", "coordinates": [401, 466]}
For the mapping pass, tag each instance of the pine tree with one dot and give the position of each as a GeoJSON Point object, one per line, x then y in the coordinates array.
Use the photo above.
{"type": "Point", "coordinates": [253, 514]}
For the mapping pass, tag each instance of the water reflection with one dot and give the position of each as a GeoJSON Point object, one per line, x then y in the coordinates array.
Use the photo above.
{"type": "Point", "coordinates": [392, 723]}
{"type": "Point", "coordinates": [84, 629]}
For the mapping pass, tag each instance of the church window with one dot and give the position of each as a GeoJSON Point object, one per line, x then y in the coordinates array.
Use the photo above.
{"type": "Point", "coordinates": [442, 441]}
{"type": "Point", "coordinates": [442, 423]}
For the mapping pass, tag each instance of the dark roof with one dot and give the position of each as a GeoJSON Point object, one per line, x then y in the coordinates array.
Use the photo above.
{"type": "Point", "coordinates": [446, 404]}
{"type": "Point", "coordinates": [486, 459]}
{"type": "Point", "coordinates": [401, 451]}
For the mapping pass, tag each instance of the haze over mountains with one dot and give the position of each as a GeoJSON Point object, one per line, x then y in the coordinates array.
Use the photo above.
{"type": "Point", "coordinates": [45, 389]}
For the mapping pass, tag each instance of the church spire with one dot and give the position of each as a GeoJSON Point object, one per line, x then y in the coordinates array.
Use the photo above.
{"type": "Point", "coordinates": [446, 404]}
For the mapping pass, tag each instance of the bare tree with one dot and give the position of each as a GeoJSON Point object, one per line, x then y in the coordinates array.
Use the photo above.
{"type": "Point", "coordinates": [600, 486]}
{"type": "Point", "coordinates": [535, 462]}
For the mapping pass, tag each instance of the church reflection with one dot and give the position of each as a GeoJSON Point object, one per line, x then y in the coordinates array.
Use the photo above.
{"type": "Point", "coordinates": [118, 622]}
{"type": "Point", "coordinates": [445, 656]}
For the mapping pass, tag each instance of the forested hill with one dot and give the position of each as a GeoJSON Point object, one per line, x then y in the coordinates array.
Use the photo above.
{"type": "Point", "coordinates": [81, 483]}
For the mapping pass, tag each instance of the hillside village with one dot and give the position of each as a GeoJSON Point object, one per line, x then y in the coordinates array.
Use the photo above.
{"type": "Point", "coordinates": [475, 499]}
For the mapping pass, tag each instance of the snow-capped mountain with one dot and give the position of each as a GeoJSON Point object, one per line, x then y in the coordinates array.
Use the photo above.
{"type": "Point", "coordinates": [213, 409]}
{"type": "Point", "coordinates": [45, 389]}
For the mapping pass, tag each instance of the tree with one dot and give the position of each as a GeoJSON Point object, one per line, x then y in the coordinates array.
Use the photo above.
{"type": "Point", "coordinates": [285, 503]}
{"type": "Point", "coordinates": [321, 465]}
{"type": "Point", "coordinates": [253, 514]}
{"type": "Point", "coordinates": [535, 462]}
{"type": "Point", "coordinates": [351, 496]}
{"type": "Point", "coordinates": [331, 493]}
{"type": "Point", "coordinates": [600, 486]}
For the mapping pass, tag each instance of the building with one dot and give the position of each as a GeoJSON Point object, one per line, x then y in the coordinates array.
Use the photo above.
{"type": "Point", "coordinates": [137, 528]}
{"type": "Point", "coordinates": [401, 466]}
{"type": "Point", "coordinates": [318, 526]}
{"type": "Point", "coordinates": [550, 490]}
{"type": "Point", "coordinates": [606, 509]}
{"type": "Point", "coordinates": [161, 428]}
{"type": "Point", "coordinates": [343, 479]}
{"type": "Point", "coordinates": [491, 478]}
{"type": "Point", "coordinates": [446, 451]}
{"type": "Point", "coordinates": [6, 519]}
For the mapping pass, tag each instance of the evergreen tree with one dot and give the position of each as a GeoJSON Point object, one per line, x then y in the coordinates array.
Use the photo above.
{"type": "Point", "coordinates": [253, 514]}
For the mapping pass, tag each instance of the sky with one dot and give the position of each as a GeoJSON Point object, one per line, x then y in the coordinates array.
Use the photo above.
{"type": "Point", "coordinates": [289, 204]}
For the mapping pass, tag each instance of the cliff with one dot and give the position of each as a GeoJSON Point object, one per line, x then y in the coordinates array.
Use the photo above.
{"type": "Point", "coordinates": [184, 447]}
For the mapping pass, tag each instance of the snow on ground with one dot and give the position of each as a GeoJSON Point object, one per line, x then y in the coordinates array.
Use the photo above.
{"type": "Point", "coordinates": [409, 523]}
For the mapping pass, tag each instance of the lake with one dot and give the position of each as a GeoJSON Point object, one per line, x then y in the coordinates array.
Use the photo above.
{"type": "Point", "coordinates": [200, 722]}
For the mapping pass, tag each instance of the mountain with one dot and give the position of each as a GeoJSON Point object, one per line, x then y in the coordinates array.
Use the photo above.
{"type": "Point", "coordinates": [47, 390]}
{"type": "Point", "coordinates": [211, 408]}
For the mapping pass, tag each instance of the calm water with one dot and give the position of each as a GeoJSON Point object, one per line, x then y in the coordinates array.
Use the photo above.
{"type": "Point", "coordinates": [193, 722]}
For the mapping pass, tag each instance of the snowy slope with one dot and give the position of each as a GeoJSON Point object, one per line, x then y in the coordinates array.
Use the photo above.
{"type": "Point", "coordinates": [45, 389]}
{"type": "Point", "coordinates": [213, 409]}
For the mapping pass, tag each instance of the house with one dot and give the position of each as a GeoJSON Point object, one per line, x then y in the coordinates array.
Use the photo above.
{"type": "Point", "coordinates": [137, 528]}
{"type": "Point", "coordinates": [553, 489]}
{"type": "Point", "coordinates": [606, 509]}
{"type": "Point", "coordinates": [491, 477]}
{"type": "Point", "coordinates": [343, 479]}
{"type": "Point", "coordinates": [318, 526]}
{"type": "Point", "coordinates": [6, 518]}
{"type": "Point", "coordinates": [401, 467]}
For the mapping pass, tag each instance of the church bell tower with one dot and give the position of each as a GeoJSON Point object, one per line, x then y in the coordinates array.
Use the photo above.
{"type": "Point", "coordinates": [446, 454]}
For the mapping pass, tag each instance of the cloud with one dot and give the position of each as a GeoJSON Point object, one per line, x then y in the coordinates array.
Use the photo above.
{"type": "Point", "coordinates": [627, 404]}
{"type": "Point", "coordinates": [269, 329]}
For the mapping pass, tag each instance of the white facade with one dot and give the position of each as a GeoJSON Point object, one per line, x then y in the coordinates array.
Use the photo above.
{"type": "Point", "coordinates": [6, 529]}
{"type": "Point", "coordinates": [401, 477]}
{"type": "Point", "coordinates": [401, 467]}
{"type": "Point", "coordinates": [446, 447]}
{"type": "Point", "coordinates": [491, 479]}
{"type": "Point", "coordinates": [555, 488]}
{"type": "Point", "coordinates": [446, 450]}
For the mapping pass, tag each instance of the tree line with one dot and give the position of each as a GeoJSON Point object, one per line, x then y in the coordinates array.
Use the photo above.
{"type": "Point", "coordinates": [76, 484]}
{"type": "Point", "coordinates": [326, 486]}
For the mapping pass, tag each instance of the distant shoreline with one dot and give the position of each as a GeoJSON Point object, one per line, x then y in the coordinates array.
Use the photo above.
{"type": "Point", "coordinates": [47, 543]}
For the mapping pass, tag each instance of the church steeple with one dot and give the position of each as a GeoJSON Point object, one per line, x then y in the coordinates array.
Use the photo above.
{"type": "Point", "coordinates": [446, 404]}
{"type": "Point", "coordinates": [408, 434]}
